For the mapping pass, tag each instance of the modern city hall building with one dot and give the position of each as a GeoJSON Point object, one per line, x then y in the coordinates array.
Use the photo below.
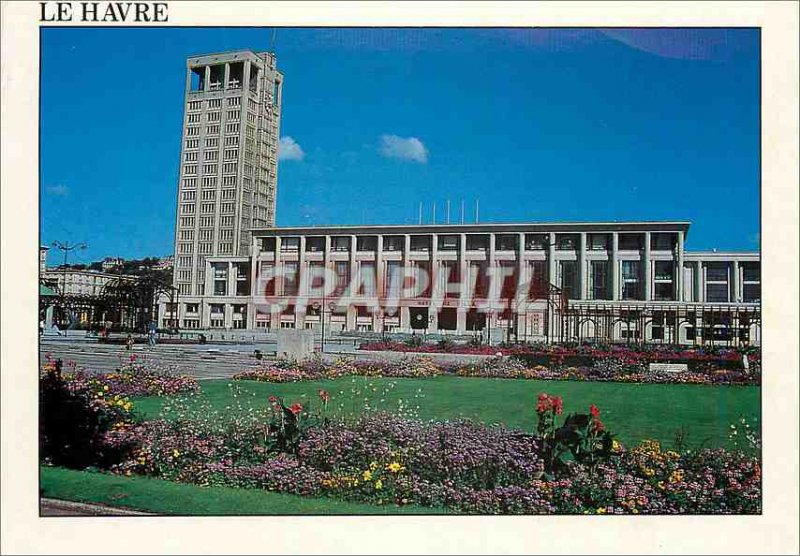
{"type": "Point", "coordinates": [618, 281]}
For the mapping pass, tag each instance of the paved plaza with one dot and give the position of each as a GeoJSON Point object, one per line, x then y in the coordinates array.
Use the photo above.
{"type": "Point", "coordinates": [207, 361]}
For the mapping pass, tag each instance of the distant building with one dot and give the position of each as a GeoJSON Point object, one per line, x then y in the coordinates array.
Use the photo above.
{"type": "Point", "coordinates": [43, 249]}
{"type": "Point", "coordinates": [80, 282]}
{"type": "Point", "coordinates": [110, 263]}
{"type": "Point", "coordinates": [164, 263]}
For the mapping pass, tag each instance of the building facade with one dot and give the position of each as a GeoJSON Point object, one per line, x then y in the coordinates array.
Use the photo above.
{"type": "Point", "coordinates": [229, 160]}
{"type": "Point", "coordinates": [620, 281]}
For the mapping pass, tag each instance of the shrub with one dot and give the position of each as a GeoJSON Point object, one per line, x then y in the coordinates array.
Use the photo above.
{"type": "Point", "coordinates": [73, 423]}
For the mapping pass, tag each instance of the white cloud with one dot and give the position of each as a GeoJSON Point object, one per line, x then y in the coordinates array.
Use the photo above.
{"type": "Point", "coordinates": [289, 149]}
{"type": "Point", "coordinates": [405, 148]}
{"type": "Point", "coordinates": [59, 190]}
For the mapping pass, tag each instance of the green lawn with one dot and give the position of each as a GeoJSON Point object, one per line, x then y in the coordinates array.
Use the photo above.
{"type": "Point", "coordinates": [164, 497]}
{"type": "Point", "coordinates": [632, 411]}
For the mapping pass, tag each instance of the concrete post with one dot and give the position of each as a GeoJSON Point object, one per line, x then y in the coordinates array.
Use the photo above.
{"type": "Point", "coordinates": [679, 286]}
{"type": "Point", "coordinates": [227, 75]}
{"type": "Point", "coordinates": [615, 266]}
{"type": "Point", "coordinates": [582, 273]}
{"type": "Point", "coordinates": [435, 266]}
{"type": "Point", "coordinates": [301, 266]}
{"type": "Point", "coordinates": [736, 294]}
{"type": "Point", "coordinates": [551, 258]}
{"type": "Point", "coordinates": [464, 294]}
{"type": "Point", "coordinates": [461, 320]}
{"type": "Point", "coordinates": [245, 87]}
{"type": "Point", "coordinates": [699, 282]}
{"type": "Point", "coordinates": [405, 319]}
{"type": "Point", "coordinates": [380, 283]}
{"type": "Point", "coordinates": [647, 271]}
{"type": "Point", "coordinates": [207, 73]}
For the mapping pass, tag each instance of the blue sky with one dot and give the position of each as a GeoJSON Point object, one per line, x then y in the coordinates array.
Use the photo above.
{"type": "Point", "coordinates": [539, 124]}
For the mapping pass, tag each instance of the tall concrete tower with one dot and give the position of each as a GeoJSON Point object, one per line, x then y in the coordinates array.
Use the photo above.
{"type": "Point", "coordinates": [229, 160]}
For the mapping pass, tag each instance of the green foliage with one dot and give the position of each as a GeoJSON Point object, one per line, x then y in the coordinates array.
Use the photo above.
{"type": "Point", "coordinates": [287, 425]}
{"type": "Point", "coordinates": [414, 341]}
{"type": "Point", "coordinates": [72, 425]}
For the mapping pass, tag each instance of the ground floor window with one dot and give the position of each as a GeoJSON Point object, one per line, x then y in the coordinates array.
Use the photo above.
{"type": "Point", "coordinates": [217, 323]}
{"type": "Point", "coordinates": [239, 324]}
{"type": "Point", "coordinates": [191, 323]}
{"type": "Point", "coordinates": [287, 324]}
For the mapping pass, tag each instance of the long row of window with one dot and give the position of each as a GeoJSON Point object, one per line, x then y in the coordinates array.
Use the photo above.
{"type": "Point", "coordinates": [505, 242]}
{"type": "Point", "coordinates": [599, 284]}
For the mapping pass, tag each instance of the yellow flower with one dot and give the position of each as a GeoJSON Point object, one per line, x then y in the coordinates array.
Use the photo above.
{"type": "Point", "coordinates": [615, 446]}
{"type": "Point", "coordinates": [175, 453]}
{"type": "Point", "coordinates": [105, 387]}
{"type": "Point", "coordinates": [378, 484]}
{"type": "Point", "coordinates": [373, 465]}
{"type": "Point", "coordinates": [661, 485]}
{"type": "Point", "coordinates": [395, 467]}
{"type": "Point", "coordinates": [649, 472]}
{"type": "Point", "coordinates": [601, 510]}
{"type": "Point", "coordinates": [367, 475]}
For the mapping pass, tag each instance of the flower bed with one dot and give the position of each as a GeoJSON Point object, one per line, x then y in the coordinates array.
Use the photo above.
{"type": "Point", "coordinates": [133, 378]}
{"type": "Point", "coordinates": [584, 354]}
{"type": "Point", "coordinates": [462, 466]}
{"type": "Point", "coordinates": [604, 370]}
{"type": "Point", "coordinates": [284, 370]}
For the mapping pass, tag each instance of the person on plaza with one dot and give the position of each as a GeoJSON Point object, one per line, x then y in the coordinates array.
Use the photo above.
{"type": "Point", "coordinates": [151, 334]}
{"type": "Point", "coordinates": [129, 342]}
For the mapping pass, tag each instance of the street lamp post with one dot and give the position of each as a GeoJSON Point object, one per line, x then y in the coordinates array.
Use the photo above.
{"type": "Point", "coordinates": [66, 248]}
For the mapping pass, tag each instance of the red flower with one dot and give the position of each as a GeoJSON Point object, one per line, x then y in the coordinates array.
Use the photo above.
{"type": "Point", "coordinates": [594, 411]}
{"type": "Point", "coordinates": [598, 425]}
{"type": "Point", "coordinates": [273, 399]}
{"type": "Point", "coordinates": [544, 403]}
{"type": "Point", "coordinates": [296, 408]}
{"type": "Point", "coordinates": [558, 405]}
{"type": "Point", "coordinates": [324, 396]}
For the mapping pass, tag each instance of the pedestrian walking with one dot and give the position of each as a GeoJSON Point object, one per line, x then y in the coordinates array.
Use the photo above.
{"type": "Point", "coordinates": [151, 334]}
{"type": "Point", "coordinates": [129, 342]}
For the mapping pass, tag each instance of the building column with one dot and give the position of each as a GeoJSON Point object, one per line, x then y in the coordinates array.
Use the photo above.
{"type": "Point", "coordinates": [679, 286]}
{"type": "Point", "coordinates": [275, 317]}
{"type": "Point", "coordinates": [405, 319]}
{"type": "Point", "coordinates": [188, 80]}
{"type": "Point", "coordinates": [551, 258]}
{"type": "Point", "coordinates": [699, 290]}
{"type": "Point", "coordinates": [435, 267]}
{"type": "Point", "coordinates": [736, 294]}
{"type": "Point", "coordinates": [207, 73]}
{"type": "Point", "coordinates": [615, 266]}
{"type": "Point", "coordinates": [380, 283]}
{"type": "Point", "coordinates": [246, 86]}
{"type": "Point", "coordinates": [464, 293]}
{"type": "Point", "coordinates": [461, 320]}
{"type": "Point", "coordinates": [232, 279]}
{"type": "Point", "coordinates": [227, 76]}
{"type": "Point", "coordinates": [301, 266]}
{"type": "Point", "coordinates": [433, 318]}
{"type": "Point", "coordinates": [350, 319]}
{"type": "Point", "coordinates": [582, 273]}
{"type": "Point", "coordinates": [647, 270]}
{"type": "Point", "coordinates": [228, 315]}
